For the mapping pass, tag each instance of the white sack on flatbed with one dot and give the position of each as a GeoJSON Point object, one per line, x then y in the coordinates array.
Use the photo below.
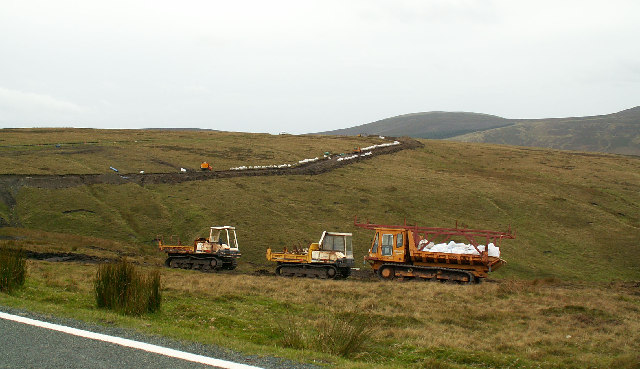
{"type": "Point", "coordinates": [457, 248]}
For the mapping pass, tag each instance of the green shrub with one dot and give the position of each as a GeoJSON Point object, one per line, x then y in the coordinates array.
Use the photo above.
{"type": "Point", "coordinates": [122, 288]}
{"type": "Point", "coordinates": [293, 334]}
{"type": "Point", "coordinates": [345, 337]}
{"type": "Point", "coordinates": [13, 268]}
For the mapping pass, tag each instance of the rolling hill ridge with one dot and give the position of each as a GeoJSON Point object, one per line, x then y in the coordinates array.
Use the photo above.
{"type": "Point", "coordinates": [617, 133]}
{"type": "Point", "coordinates": [434, 125]}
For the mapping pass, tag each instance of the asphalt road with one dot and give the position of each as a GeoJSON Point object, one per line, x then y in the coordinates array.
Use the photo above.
{"type": "Point", "coordinates": [26, 346]}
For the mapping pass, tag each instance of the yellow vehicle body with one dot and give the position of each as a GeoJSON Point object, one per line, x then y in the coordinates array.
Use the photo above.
{"type": "Point", "coordinates": [292, 257]}
{"type": "Point", "coordinates": [331, 257]}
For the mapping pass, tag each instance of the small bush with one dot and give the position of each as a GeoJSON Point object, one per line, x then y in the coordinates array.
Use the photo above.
{"type": "Point", "coordinates": [293, 335]}
{"type": "Point", "coordinates": [122, 288]}
{"type": "Point", "coordinates": [13, 268]}
{"type": "Point", "coordinates": [345, 337]}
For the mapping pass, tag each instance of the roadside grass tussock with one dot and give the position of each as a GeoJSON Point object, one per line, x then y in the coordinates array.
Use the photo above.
{"type": "Point", "coordinates": [123, 288]}
{"type": "Point", "coordinates": [13, 269]}
{"type": "Point", "coordinates": [345, 337]}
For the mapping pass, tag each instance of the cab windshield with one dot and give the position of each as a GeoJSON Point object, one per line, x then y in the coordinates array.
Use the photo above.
{"type": "Point", "coordinates": [217, 236]}
{"type": "Point", "coordinates": [333, 243]}
{"type": "Point", "coordinates": [224, 236]}
{"type": "Point", "coordinates": [338, 242]}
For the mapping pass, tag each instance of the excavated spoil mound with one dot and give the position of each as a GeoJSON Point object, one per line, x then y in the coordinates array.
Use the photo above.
{"type": "Point", "coordinates": [66, 256]}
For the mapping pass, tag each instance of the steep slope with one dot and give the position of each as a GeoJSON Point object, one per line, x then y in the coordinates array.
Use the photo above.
{"type": "Point", "coordinates": [617, 133]}
{"type": "Point", "coordinates": [436, 125]}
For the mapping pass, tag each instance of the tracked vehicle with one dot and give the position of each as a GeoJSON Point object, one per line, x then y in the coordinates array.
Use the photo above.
{"type": "Point", "coordinates": [411, 252]}
{"type": "Point", "coordinates": [218, 251]}
{"type": "Point", "coordinates": [331, 257]}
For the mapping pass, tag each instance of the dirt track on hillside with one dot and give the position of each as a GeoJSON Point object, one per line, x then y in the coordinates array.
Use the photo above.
{"type": "Point", "coordinates": [10, 183]}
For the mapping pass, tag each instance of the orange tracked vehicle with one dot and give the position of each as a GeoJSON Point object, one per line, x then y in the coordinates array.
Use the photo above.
{"type": "Point", "coordinates": [219, 251]}
{"type": "Point", "coordinates": [400, 252]}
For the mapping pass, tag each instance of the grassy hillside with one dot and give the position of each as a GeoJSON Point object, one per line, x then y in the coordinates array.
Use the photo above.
{"type": "Point", "coordinates": [434, 125]}
{"type": "Point", "coordinates": [568, 296]}
{"type": "Point", "coordinates": [614, 133]}
{"type": "Point", "coordinates": [562, 205]}
{"type": "Point", "coordinates": [93, 151]}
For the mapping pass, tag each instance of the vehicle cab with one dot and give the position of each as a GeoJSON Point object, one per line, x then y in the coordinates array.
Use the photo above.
{"type": "Point", "coordinates": [335, 247]}
{"type": "Point", "coordinates": [388, 245]}
{"type": "Point", "coordinates": [221, 239]}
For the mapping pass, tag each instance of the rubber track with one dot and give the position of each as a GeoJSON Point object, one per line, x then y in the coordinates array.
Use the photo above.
{"type": "Point", "coordinates": [223, 265]}
{"type": "Point", "coordinates": [302, 267]}
{"type": "Point", "coordinates": [471, 276]}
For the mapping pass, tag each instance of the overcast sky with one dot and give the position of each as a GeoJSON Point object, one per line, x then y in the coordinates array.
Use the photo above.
{"type": "Point", "coordinates": [305, 66]}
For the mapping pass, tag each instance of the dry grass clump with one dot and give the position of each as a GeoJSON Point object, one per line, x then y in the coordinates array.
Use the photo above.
{"type": "Point", "coordinates": [342, 336]}
{"type": "Point", "coordinates": [293, 334]}
{"type": "Point", "coordinates": [12, 268]}
{"type": "Point", "coordinates": [345, 337]}
{"type": "Point", "coordinates": [123, 288]}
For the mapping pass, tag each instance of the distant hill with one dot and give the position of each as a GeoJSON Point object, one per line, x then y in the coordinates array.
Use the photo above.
{"type": "Point", "coordinates": [617, 133]}
{"type": "Point", "coordinates": [435, 125]}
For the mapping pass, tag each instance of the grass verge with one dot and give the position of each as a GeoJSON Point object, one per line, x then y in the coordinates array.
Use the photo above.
{"type": "Point", "coordinates": [12, 268]}
{"type": "Point", "coordinates": [123, 288]}
{"type": "Point", "coordinates": [517, 324]}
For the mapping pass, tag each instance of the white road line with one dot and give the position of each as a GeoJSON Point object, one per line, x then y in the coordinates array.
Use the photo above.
{"type": "Point", "coordinates": [129, 343]}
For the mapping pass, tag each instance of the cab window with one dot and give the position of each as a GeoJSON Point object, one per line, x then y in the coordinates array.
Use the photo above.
{"type": "Point", "coordinates": [333, 242]}
{"type": "Point", "coordinates": [374, 248]}
{"type": "Point", "coordinates": [349, 247]}
{"type": "Point", "coordinates": [338, 243]}
{"type": "Point", "coordinates": [399, 242]}
{"type": "Point", "coordinates": [387, 244]}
